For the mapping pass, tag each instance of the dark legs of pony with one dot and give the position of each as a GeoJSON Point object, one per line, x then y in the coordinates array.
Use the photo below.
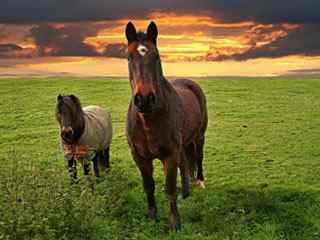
{"type": "Point", "coordinates": [72, 168]}
{"type": "Point", "coordinates": [102, 159]}
{"type": "Point", "coordinates": [106, 158]}
{"type": "Point", "coordinates": [96, 164]}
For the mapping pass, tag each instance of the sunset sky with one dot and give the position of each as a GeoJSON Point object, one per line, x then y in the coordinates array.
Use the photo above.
{"type": "Point", "coordinates": [196, 38]}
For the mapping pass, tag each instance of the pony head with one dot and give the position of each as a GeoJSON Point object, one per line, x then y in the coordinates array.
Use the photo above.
{"type": "Point", "coordinates": [69, 114]}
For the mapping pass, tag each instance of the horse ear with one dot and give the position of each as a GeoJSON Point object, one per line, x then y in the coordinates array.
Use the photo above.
{"type": "Point", "coordinates": [59, 98]}
{"type": "Point", "coordinates": [131, 32]}
{"type": "Point", "coordinates": [152, 33]}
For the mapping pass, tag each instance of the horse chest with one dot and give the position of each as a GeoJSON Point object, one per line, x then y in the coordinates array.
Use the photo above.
{"type": "Point", "coordinates": [149, 145]}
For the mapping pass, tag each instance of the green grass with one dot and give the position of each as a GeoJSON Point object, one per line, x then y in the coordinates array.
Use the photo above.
{"type": "Point", "coordinates": [262, 165]}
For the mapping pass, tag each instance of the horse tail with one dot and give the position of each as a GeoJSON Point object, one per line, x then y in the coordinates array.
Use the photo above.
{"type": "Point", "coordinates": [190, 151]}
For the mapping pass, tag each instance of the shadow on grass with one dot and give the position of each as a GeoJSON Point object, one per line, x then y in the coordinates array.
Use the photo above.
{"type": "Point", "coordinates": [278, 213]}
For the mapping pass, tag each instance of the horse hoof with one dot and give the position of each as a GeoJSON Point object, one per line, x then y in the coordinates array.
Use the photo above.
{"type": "Point", "coordinates": [151, 213]}
{"type": "Point", "coordinates": [185, 194]}
{"type": "Point", "coordinates": [200, 184]}
{"type": "Point", "coordinates": [174, 223]}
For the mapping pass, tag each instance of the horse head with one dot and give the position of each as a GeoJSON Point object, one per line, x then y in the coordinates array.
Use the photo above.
{"type": "Point", "coordinates": [145, 71]}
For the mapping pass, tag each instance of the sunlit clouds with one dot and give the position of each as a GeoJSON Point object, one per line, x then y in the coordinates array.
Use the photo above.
{"type": "Point", "coordinates": [193, 44]}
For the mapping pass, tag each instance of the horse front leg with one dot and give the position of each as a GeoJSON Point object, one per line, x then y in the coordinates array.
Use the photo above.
{"type": "Point", "coordinates": [146, 169]}
{"type": "Point", "coordinates": [171, 164]}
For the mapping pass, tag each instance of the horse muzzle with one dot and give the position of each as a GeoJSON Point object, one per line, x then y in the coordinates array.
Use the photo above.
{"type": "Point", "coordinates": [145, 104]}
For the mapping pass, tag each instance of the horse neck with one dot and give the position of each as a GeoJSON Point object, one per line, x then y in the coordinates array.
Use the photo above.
{"type": "Point", "coordinates": [166, 90]}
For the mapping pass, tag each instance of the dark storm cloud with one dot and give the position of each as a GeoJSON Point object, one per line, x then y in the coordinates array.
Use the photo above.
{"type": "Point", "coordinates": [9, 47]}
{"type": "Point", "coordinates": [116, 50]}
{"type": "Point", "coordinates": [11, 50]}
{"type": "Point", "coordinates": [304, 40]}
{"type": "Point", "coordinates": [63, 40]}
{"type": "Point", "coordinates": [271, 11]}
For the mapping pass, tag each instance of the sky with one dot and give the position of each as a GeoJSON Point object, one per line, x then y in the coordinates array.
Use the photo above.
{"type": "Point", "coordinates": [196, 38]}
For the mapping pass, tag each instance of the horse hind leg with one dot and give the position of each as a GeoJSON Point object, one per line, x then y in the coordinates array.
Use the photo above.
{"type": "Point", "coordinates": [199, 159]}
{"type": "Point", "coordinates": [184, 174]}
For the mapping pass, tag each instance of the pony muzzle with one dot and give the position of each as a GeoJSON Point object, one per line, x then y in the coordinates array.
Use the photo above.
{"type": "Point", "coordinates": [67, 134]}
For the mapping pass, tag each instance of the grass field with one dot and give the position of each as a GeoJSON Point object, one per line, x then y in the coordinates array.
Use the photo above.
{"type": "Point", "coordinates": [262, 165]}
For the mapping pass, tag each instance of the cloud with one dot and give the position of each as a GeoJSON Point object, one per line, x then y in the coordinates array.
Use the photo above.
{"type": "Point", "coordinates": [304, 72]}
{"type": "Point", "coordinates": [63, 40]}
{"type": "Point", "coordinates": [304, 40]}
{"type": "Point", "coordinates": [11, 50]}
{"type": "Point", "coordinates": [272, 11]}
{"type": "Point", "coordinates": [116, 50]}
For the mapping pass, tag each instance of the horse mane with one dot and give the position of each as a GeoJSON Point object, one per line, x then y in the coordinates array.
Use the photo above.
{"type": "Point", "coordinates": [141, 36]}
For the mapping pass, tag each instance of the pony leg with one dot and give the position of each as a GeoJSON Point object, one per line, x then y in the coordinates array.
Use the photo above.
{"type": "Point", "coordinates": [184, 174]}
{"type": "Point", "coordinates": [106, 157]}
{"type": "Point", "coordinates": [86, 168]}
{"type": "Point", "coordinates": [200, 178]}
{"type": "Point", "coordinates": [171, 163]}
{"type": "Point", "coordinates": [72, 168]}
{"type": "Point", "coordinates": [146, 170]}
{"type": "Point", "coordinates": [96, 164]}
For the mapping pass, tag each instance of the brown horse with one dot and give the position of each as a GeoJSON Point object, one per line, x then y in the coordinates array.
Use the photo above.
{"type": "Point", "coordinates": [165, 120]}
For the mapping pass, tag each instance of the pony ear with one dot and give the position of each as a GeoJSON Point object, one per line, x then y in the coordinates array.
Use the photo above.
{"type": "Point", "coordinates": [74, 98]}
{"type": "Point", "coordinates": [152, 33]}
{"type": "Point", "coordinates": [59, 98]}
{"type": "Point", "coordinates": [131, 32]}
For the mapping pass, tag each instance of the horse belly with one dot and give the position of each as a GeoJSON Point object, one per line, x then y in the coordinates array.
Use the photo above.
{"type": "Point", "coordinates": [191, 115]}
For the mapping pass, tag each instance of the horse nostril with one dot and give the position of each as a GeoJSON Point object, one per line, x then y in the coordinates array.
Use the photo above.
{"type": "Point", "coordinates": [152, 98]}
{"type": "Point", "coordinates": [137, 100]}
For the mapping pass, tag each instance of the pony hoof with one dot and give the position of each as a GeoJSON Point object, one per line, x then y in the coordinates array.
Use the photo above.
{"type": "Point", "coordinates": [200, 184]}
{"type": "Point", "coordinates": [174, 223]}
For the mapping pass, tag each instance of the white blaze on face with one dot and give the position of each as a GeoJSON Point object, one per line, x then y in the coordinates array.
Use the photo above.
{"type": "Point", "coordinates": [142, 50]}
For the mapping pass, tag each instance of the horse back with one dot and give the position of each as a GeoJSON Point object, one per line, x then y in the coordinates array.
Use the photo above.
{"type": "Point", "coordinates": [194, 108]}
